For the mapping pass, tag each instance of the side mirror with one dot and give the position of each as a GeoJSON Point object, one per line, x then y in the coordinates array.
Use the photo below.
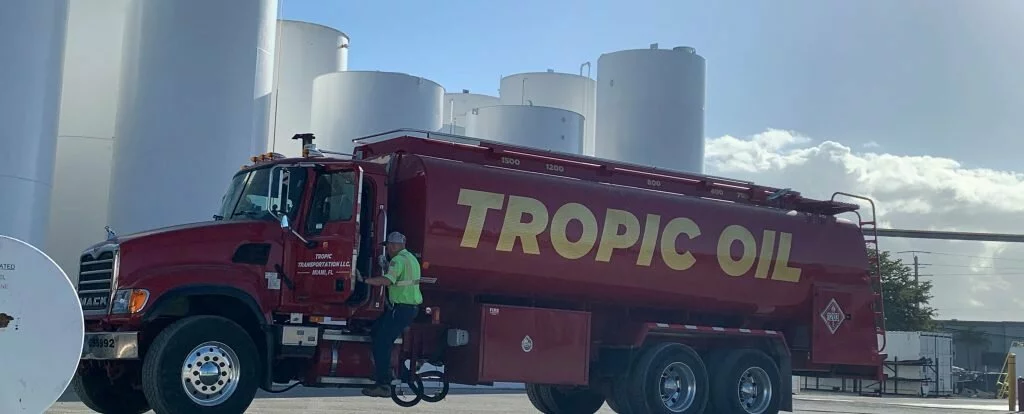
{"type": "Point", "coordinates": [285, 225]}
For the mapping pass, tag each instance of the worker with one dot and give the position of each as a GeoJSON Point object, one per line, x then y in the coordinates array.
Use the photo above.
{"type": "Point", "coordinates": [402, 281]}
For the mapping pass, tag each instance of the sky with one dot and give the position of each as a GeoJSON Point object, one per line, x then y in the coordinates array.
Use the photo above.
{"type": "Point", "coordinates": [915, 103]}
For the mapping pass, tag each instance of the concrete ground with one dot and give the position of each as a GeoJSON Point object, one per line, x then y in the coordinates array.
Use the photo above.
{"type": "Point", "coordinates": [493, 401]}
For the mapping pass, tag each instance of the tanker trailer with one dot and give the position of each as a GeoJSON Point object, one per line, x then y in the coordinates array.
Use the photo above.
{"type": "Point", "coordinates": [655, 291]}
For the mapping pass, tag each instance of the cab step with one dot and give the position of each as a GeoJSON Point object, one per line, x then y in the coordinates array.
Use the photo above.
{"type": "Point", "coordinates": [342, 336]}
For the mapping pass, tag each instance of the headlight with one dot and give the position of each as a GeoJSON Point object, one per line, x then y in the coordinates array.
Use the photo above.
{"type": "Point", "coordinates": [129, 301]}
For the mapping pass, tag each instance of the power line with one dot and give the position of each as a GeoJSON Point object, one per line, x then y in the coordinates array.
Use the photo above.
{"type": "Point", "coordinates": [972, 256]}
{"type": "Point", "coordinates": [975, 274]}
{"type": "Point", "coordinates": [979, 267]}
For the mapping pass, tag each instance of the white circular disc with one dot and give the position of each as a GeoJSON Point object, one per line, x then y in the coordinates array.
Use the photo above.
{"type": "Point", "coordinates": [41, 329]}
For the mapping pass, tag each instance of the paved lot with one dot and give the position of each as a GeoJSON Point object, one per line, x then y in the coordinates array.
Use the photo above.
{"type": "Point", "coordinates": [514, 402]}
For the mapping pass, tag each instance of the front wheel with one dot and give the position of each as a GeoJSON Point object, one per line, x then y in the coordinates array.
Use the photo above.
{"type": "Point", "coordinates": [201, 364]}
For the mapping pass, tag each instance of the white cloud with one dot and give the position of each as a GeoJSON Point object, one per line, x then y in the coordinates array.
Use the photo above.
{"type": "Point", "coordinates": [911, 192]}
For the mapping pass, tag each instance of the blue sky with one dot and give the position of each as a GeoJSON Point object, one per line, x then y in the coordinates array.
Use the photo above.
{"type": "Point", "coordinates": [916, 76]}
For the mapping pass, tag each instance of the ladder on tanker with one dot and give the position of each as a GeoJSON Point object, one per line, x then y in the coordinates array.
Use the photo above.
{"type": "Point", "coordinates": [870, 230]}
{"type": "Point", "coordinates": [1006, 380]}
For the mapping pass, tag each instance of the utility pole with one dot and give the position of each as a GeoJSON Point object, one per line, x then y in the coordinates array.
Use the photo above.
{"type": "Point", "coordinates": [917, 273]}
{"type": "Point", "coordinates": [917, 269]}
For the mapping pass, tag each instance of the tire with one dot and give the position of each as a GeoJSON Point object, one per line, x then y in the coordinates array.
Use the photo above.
{"type": "Point", "coordinates": [533, 393]}
{"type": "Point", "coordinates": [227, 359]}
{"type": "Point", "coordinates": [618, 399]}
{"type": "Point", "coordinates": [96, 391]}
{"type": "Point", "coordinates": [645, 382]}
{"type": "Point", "coordinates": [736, 366]}
{"type": "Point", "coordinates": [567, 400]}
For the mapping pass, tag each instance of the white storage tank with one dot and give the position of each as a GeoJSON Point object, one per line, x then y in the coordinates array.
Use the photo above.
{"type": "Point", "coordinates": [355, 104]}
{"type": "Point", "coordinates": [650, 108]}
{"type": "Point", "coordinates": [557, 90]}
{"type": "Point", "coordinates": [85, 141]}
{"type": "Point", "coordinates": [539, 127]}
{"type": "Point", "coordinates": [304, 51]}
{"type": "Point", "coordinates": [457, 105]}
{"type": "Point", "coordinates": [263, 92]}
{"type": "Point", "coordinates": [32, 39]}
{"type": "Point", "coordinates": [188, 107]}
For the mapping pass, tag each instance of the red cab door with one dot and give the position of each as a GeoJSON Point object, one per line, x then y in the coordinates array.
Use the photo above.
{"type": "Point", "coordinates": [323, 269]}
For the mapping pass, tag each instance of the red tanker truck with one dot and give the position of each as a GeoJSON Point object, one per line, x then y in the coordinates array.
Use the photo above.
{"type": "Point", "coordinates": [591, 281]}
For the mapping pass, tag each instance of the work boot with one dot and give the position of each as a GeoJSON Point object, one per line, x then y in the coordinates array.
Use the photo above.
{"type": "Point", "coordinates": [382, 391]}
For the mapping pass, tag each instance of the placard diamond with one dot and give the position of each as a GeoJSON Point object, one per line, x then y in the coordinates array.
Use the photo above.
{"type": "Point", "coordinates": [833, 316]}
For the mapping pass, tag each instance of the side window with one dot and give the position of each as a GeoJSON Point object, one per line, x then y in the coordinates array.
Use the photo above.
{"type": "Point", "coordinates": [293, 191]}
{"type": "Point", "coordinates": [334, 196]}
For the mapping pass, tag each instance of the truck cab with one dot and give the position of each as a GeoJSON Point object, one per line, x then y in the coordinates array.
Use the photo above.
{"type": "Point", "coordinates": [289, 247]}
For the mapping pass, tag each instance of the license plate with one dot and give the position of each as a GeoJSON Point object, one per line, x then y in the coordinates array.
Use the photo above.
{"type": "Point", "coordinates": [96, 343]}
{"type": "Point", "coordinates": [110, 345]}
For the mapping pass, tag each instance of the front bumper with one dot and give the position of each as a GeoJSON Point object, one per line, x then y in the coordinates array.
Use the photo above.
{"type": "Point", "coordinates": [110, 345]}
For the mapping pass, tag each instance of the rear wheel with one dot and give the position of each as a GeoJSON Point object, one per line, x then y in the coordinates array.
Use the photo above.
{"type": "Point", "coordinates": [550, 399]}
{"type": "Point", "coordinates": [618, 394]}
{"type": "Point", "coordinates": [100, 394]}
{"type": "Point", "coordinates": [669, 379]}
{"type": "Point", "coordinates": [533, 393]}
{"type": "Point", "coordinates": [201, 364]}
{"type": "Point", "coordinates": [746, 381]}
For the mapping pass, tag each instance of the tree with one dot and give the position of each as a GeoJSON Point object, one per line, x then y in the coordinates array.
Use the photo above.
{"type": "Point", "coordinates": [906, 302]}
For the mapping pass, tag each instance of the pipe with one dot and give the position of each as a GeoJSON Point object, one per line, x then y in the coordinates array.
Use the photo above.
{"type": "Point", "coordinates": [948, 235]}
{"type": "Point", "coordinates": [522, 99]}
{"type": "Point", "coordinates": [587, 64]}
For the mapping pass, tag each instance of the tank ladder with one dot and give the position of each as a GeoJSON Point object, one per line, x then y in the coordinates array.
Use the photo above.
{"type": "Point", "coordinates": [870, 230]}
{"type": "Point", "coordinates": [1006, 380]}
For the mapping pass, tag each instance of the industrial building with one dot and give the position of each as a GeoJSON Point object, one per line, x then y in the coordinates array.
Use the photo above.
{"type": "Point", "coordinates": [982, 345]}
{"type": "Point", "coordinates": [102, 102]}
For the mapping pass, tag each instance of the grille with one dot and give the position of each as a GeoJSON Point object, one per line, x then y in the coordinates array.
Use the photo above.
{"type": "Point", "coordinates": [95, 281]}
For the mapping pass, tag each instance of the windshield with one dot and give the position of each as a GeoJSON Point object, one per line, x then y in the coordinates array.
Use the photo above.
{"type": "Point", "coordinates": [258, 193]}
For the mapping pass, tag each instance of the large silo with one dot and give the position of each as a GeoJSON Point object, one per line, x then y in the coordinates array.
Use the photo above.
{"type": "Point", "coordinates": [354, 104]}
{"type": "Point", "coordinates": [85, 142]}
{"type": "Point", "coordinates": [32, 39]}
{"type": "Point", "coordinates": [650, 108]}
{"type": "Point", "coordinates": [263, 88]}
{"type": "Point", "coordinates": [557, 90]}
{"type": "Point", "coordinates": [457, 105]}
{"type": "Point", "coordinates": [541, 127]}
{"type": "Point", "coordinates": [187, 108]}
{"type": "Point", "coordinates": [304, 51]}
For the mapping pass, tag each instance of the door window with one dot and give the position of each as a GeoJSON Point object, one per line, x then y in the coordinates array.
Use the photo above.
{"type": "Point", "coordinates": [334, 196]}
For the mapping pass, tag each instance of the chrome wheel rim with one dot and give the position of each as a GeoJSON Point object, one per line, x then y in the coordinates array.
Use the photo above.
{"type": "Point", "coordinates": [754, 390]}
{"type": "Point", "coordinates": [678, 387]}
{"type": "Point", "coordinates": [210, 373]}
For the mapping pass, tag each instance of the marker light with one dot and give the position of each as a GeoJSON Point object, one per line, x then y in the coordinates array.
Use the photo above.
{"type": "Point", "coordinates": [129, 301]}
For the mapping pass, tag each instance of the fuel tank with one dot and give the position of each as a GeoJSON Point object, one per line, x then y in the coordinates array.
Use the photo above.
{"type": "Point", "coordinates": [495, 231]}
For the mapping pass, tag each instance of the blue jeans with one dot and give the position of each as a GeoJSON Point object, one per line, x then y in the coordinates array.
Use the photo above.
{"type": "Point", "coordinates": [387, 329]}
